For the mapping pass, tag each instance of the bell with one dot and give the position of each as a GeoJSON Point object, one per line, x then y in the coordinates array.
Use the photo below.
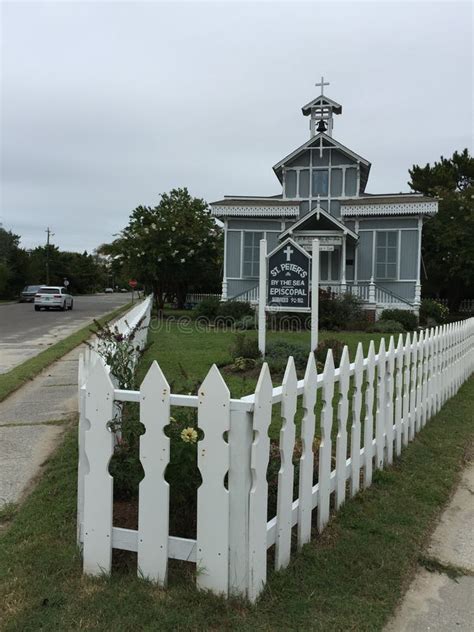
{"type": "Point", "coordinates": [322, 127]}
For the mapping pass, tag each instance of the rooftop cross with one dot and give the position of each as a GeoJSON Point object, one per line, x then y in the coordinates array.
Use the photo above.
{"type": "Point", "coordinates": [322, 84]}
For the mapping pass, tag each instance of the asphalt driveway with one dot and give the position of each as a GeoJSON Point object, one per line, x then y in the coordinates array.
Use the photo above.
{"type": "Point", "coordinates": [25, 333]}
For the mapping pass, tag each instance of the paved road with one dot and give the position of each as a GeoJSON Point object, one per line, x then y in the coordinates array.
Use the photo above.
{"type": "Point", "coordinates": [25, 333]}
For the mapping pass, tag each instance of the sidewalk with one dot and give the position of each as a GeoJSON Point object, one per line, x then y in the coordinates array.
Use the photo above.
{"type": "Point", "coordinates": [444, 601]}
{"type": "Point", "coordinates": [27, 435]}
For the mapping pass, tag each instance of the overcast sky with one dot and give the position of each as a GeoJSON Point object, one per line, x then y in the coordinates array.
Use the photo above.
{"type": "Point", "coordinates": [105, 105]}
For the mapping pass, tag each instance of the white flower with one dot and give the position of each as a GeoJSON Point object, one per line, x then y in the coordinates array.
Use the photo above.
{"type": "Point", "coordinates": [183, 260]}
{"type": "Point", "coordinates": [173, 228]}
{"type": "Point", "coordinates": [153, 226]}
{"type": "Point", "coordinates": [189, 435]}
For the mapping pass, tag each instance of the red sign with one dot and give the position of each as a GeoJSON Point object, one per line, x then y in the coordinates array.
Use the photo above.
{"type": "Point", "coordinates": [132, 283]}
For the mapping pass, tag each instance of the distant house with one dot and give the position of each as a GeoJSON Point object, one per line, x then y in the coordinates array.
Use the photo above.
{"type": "Point", "coordinates": [370, 244]}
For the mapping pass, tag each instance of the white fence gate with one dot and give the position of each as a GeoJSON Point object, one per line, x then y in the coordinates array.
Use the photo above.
{"type": "Point", "coordinates": [386, 398]}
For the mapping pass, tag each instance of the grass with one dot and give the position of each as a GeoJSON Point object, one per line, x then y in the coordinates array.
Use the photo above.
{"type": "Point", "coordinates": [351, 578]}
{"type": "Point", "coordinates": [197, 349]}
{"type": "Point", "coordinates": [14, 379]}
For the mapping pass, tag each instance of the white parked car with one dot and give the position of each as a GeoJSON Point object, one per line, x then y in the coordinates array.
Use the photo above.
{"type": "Point", "coordinates": [53, 297]}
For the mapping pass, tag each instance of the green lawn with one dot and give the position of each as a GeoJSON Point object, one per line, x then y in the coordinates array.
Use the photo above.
{"type": "Point", "coordinates": [185, 353]}
{"type": "Point", "coordinates": [351, 578]}
{"type": "Point", "coordinates": [12, 380]}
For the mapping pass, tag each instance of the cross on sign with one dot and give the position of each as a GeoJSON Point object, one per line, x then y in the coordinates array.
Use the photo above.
{"type": "Point", "coordinates": [288, 252]}
{"type": "Point", "coordinates": [322, 84]}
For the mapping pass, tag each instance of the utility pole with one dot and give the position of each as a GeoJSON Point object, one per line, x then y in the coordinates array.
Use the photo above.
{"type": "Point", "coordinates": [49, 234]}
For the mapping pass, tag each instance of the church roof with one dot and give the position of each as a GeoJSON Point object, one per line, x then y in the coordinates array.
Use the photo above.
{"type": "Point", "coordinates": [321, 101]}
{"type": "Point", "coordinates": [328, 142]}
{"type": "Point", "coordinates": [244, 206]}
{"type": "Point", "coordinates": [389, 204]}
{"type": "Point", "coordinates": [327, 220]}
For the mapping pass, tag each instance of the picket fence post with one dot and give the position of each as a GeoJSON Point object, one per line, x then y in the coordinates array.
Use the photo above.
{"type": "Point", "coordinates": [98, 484]}
{"type": "Point", "coordinates": [308, 423]}
{"type": "Point", "coordinates": [389, 391]}
{"type": "Point", "coordinates": [341, 439]}
{"type": "Point", "coordinates": [286, 473]}
{"type": "Point", "coordinates": [212, 557]}
{"type": "Point", "coordinates": [381, 407]}
{"type": "Point", "coordinates": [258, 502]}
{"type": "Point", "coordinates": [406, 390]}
{"type": "Point", "coordinates": [326, 442]}
{"type": "Point", "coordinates": [153, 506]}
{"type": "Point", "coordinates": [369, 417]}
{"type": "Point", "coordinates": [398, 395]}
{"type": "Point", "coordinates": [356, 412]}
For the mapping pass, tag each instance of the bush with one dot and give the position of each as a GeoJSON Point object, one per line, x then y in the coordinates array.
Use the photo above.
{"type": "Point", "coordinates": [408, 319]}
{"type": "Point", "coordinates": [208, 308]}
{"type": "Point", "coordinates": [244, 347]}
{"type": "Point", "coordinates": [336, 311]}
{"type": "Point", "coordinates": [277, 354]}
{"type": "Point", "coordinates": [432, 312]}
{"type": "Point", "coordinates": [235, 309]}
{"type": "Point", "coordinates": [288, 321]}
{"type": "Point", "coordinates": [337, 347]}
{"type": "Point", "coordinates": [246, 323]}
{"type": "Point", "coordinates": [387, 327]}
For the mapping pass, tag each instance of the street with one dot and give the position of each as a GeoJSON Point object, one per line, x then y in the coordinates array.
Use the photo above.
{"type": "Point", "coordinates": [25, 332]}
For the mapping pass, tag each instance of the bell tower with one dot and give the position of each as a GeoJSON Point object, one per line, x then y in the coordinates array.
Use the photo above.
{"type": "Point", "coordinates": [321, 111]}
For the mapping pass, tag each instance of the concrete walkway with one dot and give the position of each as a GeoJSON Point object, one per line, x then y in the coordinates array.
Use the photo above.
{"type": "Point", "coordinates": [444, 601]}
{"type": "Point", "coordinates": [31, 423]}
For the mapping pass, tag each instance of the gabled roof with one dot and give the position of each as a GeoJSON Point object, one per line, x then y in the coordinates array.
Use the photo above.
{"type": "Point", "coordinates": [329, 142]}
{"type": "Point", "coordinates": [321, 101]}
{"type": "Point", "coordinates": [319, 212]}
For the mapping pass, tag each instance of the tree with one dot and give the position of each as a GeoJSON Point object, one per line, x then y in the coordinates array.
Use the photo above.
{"type": "Point", "coordinates": [14, 264]}
{"type": "Point", "coordinates": [448, 237]}
{"type": "Point", "coordinates": [171, 247]}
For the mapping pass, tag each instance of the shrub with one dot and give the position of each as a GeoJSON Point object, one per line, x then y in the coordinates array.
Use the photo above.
{"type": "Point", "coordinates": [278, 352]}
{"type": "Point", "coordinates": [336, 311]}
{"type": "Point", "coordinates": [288, 321]}
{"type": "Point", "coordinates": [235, 309]}
{"type": "Point", "coordinates": [246, 323]}
{"type": "Point", "coordinates": [244, 364]}
{"type": "Point", "coordinates": [432, 312]}
{"type": "Point", "coordinates": [244, 347]}
{"type": "Point", "coordinates": [208, 308]}
{"type": "Point", "coordinates": [408, 319]}
{"type": "Point", "coordinates": [387, 327]}
{"type": "Point", "coordinates": [337, 347]}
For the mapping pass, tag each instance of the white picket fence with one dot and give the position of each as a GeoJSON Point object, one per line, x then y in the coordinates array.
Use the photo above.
{"type": "Point", "coordinates": [385, 398]}
{"type": "Point", "coordinates": [90, 358]}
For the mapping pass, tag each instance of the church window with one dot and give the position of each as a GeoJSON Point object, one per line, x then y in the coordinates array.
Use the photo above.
{"type": "Point", "coordinates": [251, 253]}
{"type": "Point", "coordinates": [351, 181]}
{"type": "Point", "coordinates": [386, 254]}
{"type": "Point", "coordinates": [290, 183]}
{"type": "Point", "coordinates": [320, 182]}
{"type": "Point", "coordinates": [304, 183]}
{"type": "Point", "coordinates": [336, 182]}
{"type": "Point", "coordinates": [335, 208]}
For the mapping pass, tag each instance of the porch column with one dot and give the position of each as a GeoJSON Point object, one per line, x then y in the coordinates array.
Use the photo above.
{"type": "Point", "coordinates": [224, 275]}
{"type": "Point", "coordinates": [356, 251]}
{"type": "Point", "coordinates": [418, 266]}
{"type": "Point", "coordinates": [343, 264]}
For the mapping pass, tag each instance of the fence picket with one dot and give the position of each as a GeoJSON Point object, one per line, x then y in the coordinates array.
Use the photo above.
{"type": "Point", "coordinates": [326, 442]}
{"type": "Point", "coordinates": [406, 390]}
{"type": "Point", "coordinates": [389, 386]}
{"type": "Point", "coordinates": [398, 395]}
{"type": "Point", "coordinates": [305, 507]}
{"type": "Point", "coordinates": [369, 417]}
{"type": "Point", "coordinates": [381, 407]}
{"type": "Point", "coordinates": [341, 439]}
{"type": "Point", "coordinates": [153, 507]}
{"type": "Point", "coordinates": [286, 473]}
{"type": "Point", "coordinates": [419, 386]}
{"type": "Point", "coordinates": [414, 364]}
{"type": "Point", "coordinates": [356, 412]}
{"type": "Point", "coordinates": [260, 453]}
{"type": "Point", "coordinates": [98, 484]}
{"type": "Point", "coordinates": [213, 497]}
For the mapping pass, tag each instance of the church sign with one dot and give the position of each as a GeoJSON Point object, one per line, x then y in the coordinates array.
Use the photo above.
{"type": "Point", "coordinates": [288, 277]}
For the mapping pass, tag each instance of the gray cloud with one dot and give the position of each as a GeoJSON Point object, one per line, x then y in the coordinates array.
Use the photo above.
{"type": "Point", "coordinates": [105, 105]}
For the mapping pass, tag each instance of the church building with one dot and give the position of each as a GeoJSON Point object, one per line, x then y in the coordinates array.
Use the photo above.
{"type": "Point", "coordinates": [370, 243]}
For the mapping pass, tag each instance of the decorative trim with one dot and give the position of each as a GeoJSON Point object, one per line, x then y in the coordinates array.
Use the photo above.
{"type": "Point", "coordinates": [411, 208]}
{"type": "Point", "coordinates": [255, 211]}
